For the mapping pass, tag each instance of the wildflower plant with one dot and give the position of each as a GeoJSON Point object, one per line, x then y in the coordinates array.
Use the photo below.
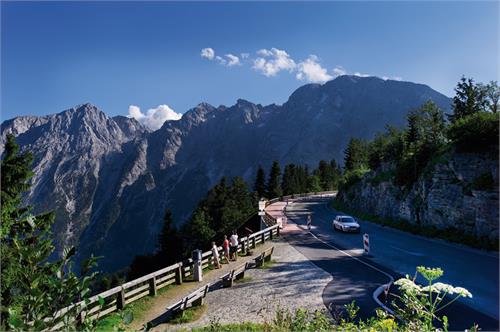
{"type": "Point", "coordinates": [419, 306]}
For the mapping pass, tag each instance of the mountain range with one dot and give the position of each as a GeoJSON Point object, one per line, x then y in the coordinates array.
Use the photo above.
{"type": "Point", "coordinates": [110, 179]}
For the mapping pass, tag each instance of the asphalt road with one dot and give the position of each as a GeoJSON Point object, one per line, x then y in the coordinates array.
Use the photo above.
{"type": "Point", "coordinates": [394, 253]}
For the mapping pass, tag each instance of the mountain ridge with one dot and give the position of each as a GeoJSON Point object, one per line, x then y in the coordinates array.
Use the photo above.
{"type": "Point", "coordinates": [110, 179]}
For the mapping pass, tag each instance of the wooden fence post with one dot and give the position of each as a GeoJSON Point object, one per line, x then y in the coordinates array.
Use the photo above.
{"type": "Point", "coordinates": [178, 275]}
{"type": "Point", "coordinates": [253, 242]}
{"type": "Point", "coordinates": [152, 286]}
{"type": "Point", "coordinates": [278, 231]}
{"type": "Point", "coordinates": [263, 237]}
{"type": "Point", "coordinates": [120, 300]}
{"type": "Point", "coordinates": [271, 234]}
{"type": "Point", "coordinates": [243, 248]}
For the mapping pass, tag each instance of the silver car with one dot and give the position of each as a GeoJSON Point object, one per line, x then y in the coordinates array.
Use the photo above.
{"type": "Point", "coordinates": [346, 224]}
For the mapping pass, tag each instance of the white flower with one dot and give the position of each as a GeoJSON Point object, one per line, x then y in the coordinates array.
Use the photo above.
{"type": "Point", "coordinates": [407, 285]}
{"type": "Point", "coordinates": [463, 292]}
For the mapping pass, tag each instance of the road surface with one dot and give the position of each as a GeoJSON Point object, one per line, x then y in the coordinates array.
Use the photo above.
{"type": "Point", "coordinates": [393, 253]}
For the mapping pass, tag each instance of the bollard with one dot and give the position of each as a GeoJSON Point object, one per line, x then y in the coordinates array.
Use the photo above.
{"type": "Point", "coordinates": [366, 243]}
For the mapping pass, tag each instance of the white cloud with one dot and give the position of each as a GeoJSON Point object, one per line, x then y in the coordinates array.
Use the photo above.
{"type": "Point", "coordinates": [310, 70]}
{"type": "Point", "coordinates": [394, 78]}
{"type": "Point", "coordinates": [220, 60]}
{"type": "Point", "coordinates": [339, 71]}
{"type": "Point", "coordinates": [208, 53]}
{"type": "Point", "coordinates": [154, 117]}
{"type": "Point", "coordinates": [232, 60]}
{"type": "Point", "coordinates": [361, 75]}
{"type": "Point", "coordinates": [273, 61]}
{"type": "Point", "coordinates": [245, 55]}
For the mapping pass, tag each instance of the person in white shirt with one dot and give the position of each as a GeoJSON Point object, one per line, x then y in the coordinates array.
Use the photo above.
{"type": "Point", "coordinates": [233, 241]}
{"type": "Point", "coordinates": [215, 255]}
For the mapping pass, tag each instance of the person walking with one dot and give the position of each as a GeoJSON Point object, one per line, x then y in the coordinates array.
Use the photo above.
{"type": "Point", "coordinates": [225, 247]}
{"type": "Point", "coordinates": [215, 255]}
{"type": "Point", "coordinates": [233, 241]}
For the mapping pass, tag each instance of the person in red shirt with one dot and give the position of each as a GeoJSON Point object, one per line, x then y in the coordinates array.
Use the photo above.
{"type": "Point", "coordinates": [225, 246]}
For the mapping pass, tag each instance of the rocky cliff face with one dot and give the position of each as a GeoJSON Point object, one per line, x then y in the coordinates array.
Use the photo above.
{"type": "Point", "coordinates": [460, 192]}
{"type": "Point", "coordinates": [110, 180]}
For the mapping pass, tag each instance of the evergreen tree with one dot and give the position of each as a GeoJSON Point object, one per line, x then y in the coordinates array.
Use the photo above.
{"type": "Point", "coordinates": [314, 183]}
{"type": "Point", "coordinates": [469, 99]}
{"type": "Point", "coordinates": [260, 183]}
{"type": "Point", "coordinates": [273, 184]}
{"type": "Point", "coordinates": [197, 232]}
{"type": "Point", "coordinates": [288, 184]}
{"type": "Point", "coordinates": [33, 288]}
{"type": "Point", "coordinates": [356, 155]}
{"type": "Point", "coordinates": [169, 241]}
{"type": "Point", "coordinates": [492, 91]}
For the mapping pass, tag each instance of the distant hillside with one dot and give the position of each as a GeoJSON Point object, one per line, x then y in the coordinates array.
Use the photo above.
{"type": "Point", "coordinates": [110, 179]}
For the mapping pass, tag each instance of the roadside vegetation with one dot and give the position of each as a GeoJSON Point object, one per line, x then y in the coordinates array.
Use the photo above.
{"type": "Point", "coordinates": [33, 288]}
{"type": "Point", "coordinates": [417, 308]}
{"type": "Point", "coordinates": [401, 157]}
{"type": "Point", "coordinates": [428, 138]}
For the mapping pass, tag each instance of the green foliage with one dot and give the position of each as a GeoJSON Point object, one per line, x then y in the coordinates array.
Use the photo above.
{"type": "Point", "coordinates": [386, 147]}
{"type": "Point", "coordinates": [189, 315]}
{"type": "Point", "coordinates": [259, 186]}
{"type": "Point", "coordinates": [224, 209]}
{"type": "Point", "coordinates": [352, 177]}
{"type": "Point", "coordinates": [419, 306]}
{"type": "Point", "coordinates": [34, 288]}
{"type": "Point", "coordinates": [273, 187]}
{"type": "Point", "coordinates": [492, 91]}
{"type": "Point", "coordinates": [469, 99]}
{"type": "Point", "coordinates": [418, 309]}
{"type": "Point", "coordinates": [476, 133]}
{"type": "Point", "coordinates": [169, 241]}
{"type": "Point", "coordinates": [356, 154]}
{"type": "Point", "coordinates": [314, 184]}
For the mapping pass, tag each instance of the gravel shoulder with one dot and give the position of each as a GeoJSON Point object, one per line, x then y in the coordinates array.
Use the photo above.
{"type": "Point", "coordinates": [291, 281]}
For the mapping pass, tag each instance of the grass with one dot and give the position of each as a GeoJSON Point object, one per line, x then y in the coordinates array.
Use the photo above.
{"type": "Point", "coordinates": [267, 264]}
{"type": "Point", "coordinates": [241, 327]}
{"type": "Point", "coordinates": [189, 315]}
{"type": "Point", "coordinates": [138, 309]}
{"type": "Point", "coordinates": [242, 280]}
{"type": "Point", "coordinates": [448, 234]}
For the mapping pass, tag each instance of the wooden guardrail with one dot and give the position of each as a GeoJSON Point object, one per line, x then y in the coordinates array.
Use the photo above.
{"type": "Point", "coordinates": [118, 297]}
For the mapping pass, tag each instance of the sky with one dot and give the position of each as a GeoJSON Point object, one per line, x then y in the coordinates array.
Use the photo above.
{"type": "Point", "coordinates": [156, 60]}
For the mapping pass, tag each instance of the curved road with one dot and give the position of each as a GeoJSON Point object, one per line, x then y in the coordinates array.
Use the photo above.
{"type": "Point", "coordinates": [393, 253]}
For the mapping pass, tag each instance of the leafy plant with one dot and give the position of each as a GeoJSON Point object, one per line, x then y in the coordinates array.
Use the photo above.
{"type": "Point", "coordinates": [419, 305]}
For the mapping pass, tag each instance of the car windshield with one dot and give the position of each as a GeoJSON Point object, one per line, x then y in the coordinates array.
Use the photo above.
{"type": "Point", "coordinates": [347, 219]}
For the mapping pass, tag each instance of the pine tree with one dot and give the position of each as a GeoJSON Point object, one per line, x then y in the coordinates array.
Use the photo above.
{"type": "Point", "coordinates": [356, 155]}
{"type": "Point", "coordinates": [273, 184]}
{"type": "Point", "coordinates": [260, 183]}
{"type": "Point", "coordinates": [169, 241]}
{"type": "Point", "coordinates": [469, 99]}
{"type": "Point", "coordinates": [33, 288]}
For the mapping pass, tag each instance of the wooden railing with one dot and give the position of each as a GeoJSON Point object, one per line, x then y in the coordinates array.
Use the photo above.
{"type": "Point", "coordinates": [118, 297]}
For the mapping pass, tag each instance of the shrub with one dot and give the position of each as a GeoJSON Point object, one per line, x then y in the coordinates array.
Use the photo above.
{"type": "Point", "coordinates": [475, 133]}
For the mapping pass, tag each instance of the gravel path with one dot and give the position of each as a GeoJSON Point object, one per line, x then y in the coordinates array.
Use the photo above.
{"type": "Point", "coordinates": [292, 282]}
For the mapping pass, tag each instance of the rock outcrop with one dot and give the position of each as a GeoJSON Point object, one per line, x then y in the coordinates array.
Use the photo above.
{"type": "Point", "coordinates": [461, 192]}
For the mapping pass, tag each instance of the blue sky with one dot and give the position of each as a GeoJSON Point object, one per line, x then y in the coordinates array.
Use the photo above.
{"type": "Point", "coordinates": [117, 54]}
